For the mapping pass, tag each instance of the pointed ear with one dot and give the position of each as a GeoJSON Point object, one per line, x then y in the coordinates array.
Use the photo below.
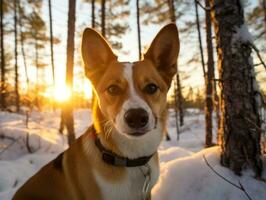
{"type": "Point", "coordinates": [163, 52]}
{"type": "Point", "coordinates": [96, 53]}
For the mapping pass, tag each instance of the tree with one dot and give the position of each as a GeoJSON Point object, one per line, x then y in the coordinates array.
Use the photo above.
{"type": "Point", "coordinates": [178, 91]}
{"type": "Point", "coordinates": [36, 34]}
{"type": "Point", "coordinates": [138, 28]}
{"type": "Point", "coordinates": [209, 92]}
{"type": "Point", "coordinates": [93, 13]}
{"type": "Point", "coordinates": [21, 20]}
{"type": "Point", "coordinates": [16, 57]}
{"type": "Point", "coordinates": [51, 41]}
{"type": "Point", "coordinates": [103, 17]}
{"type": "Point", "coordinates": [116, 24]}
{"type": "Point", "coordinates": [3, 102]}
{"type": "Point", "coordinates": [67, 118]}
{"type": "Point", "coordinates": [240, 122]}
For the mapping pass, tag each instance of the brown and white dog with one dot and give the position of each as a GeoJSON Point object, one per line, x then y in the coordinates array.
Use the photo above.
{"type": "Point", "coordinates": [117, 158]}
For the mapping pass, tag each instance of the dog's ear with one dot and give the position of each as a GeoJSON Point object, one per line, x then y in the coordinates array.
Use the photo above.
{"type": "Point", "coordinates": [96, 53]}
{"type": "Point", "coordinates": [163, 52]}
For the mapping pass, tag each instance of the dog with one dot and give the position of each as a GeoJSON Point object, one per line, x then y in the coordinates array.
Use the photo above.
{"type": "Point", "coordinates": [116, 158]}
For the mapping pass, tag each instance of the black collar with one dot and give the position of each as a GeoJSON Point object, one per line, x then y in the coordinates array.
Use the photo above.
{"type": "Point", "coordinates": [113, 159]}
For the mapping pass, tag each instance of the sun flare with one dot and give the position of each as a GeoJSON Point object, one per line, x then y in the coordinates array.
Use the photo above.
{"type": "Point", "coordinates": [62, 94]}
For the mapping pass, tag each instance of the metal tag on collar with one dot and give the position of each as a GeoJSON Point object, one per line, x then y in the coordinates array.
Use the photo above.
{"type": "Point", "coordinates": [147, 181]}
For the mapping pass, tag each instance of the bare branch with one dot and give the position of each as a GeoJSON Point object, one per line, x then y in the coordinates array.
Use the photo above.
{"type": "Point", "coordinates": [258, 54]}
{"type": "Point", "coordinates": [202, 6]}
{"type": "Point", "coordinates": [240, 186]}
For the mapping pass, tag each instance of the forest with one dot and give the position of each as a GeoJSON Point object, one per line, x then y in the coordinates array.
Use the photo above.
{"type": "Point", "coordinates": [215, 144]}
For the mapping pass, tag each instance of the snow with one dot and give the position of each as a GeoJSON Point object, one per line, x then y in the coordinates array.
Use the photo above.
{"type": "Point", "coordinates": [184, 173]}
{"type": "Point", "coordinates": [242, 34]}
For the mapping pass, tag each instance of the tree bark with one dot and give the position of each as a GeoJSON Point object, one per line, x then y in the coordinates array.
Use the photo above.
{"type": "Point", "coordinates": [210, 78]}
{"type": "Point", "coordinates": [138, 29]}
{"type": "Point", "coordinates": [67, 112]}
{"type": "Point", "coordinates": [240, 122]}
{"type": "Point", "coordinates": [217, 113]}
{"type": "Point", "coordinates": [16, 56]}
{"type": "Point", "coordinates": [2, 92]}
{"type": "Point", "coordinates": [179, 95]}
{"type": "Point", "coordinates": [103, 17]}
{"type": "Point", "coordinates": [51, 41]}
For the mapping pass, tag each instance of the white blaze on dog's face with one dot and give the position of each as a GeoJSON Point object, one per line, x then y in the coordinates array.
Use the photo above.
{"type": "Point", "coordinates": [132, 96]}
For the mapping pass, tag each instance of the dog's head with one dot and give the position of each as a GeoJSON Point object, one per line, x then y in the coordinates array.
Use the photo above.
{"type": "Point", "coordinates": [131, 96]}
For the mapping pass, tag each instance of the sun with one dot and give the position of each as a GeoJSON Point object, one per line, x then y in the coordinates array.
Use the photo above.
{"type": "Point", "coordinates": [62, 94]}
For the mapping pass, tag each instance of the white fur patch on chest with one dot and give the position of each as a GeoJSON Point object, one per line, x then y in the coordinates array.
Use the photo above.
{"type": "Point", "coordinates": [129, 188]}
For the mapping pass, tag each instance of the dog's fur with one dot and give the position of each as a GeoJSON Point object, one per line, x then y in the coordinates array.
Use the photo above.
{"type": "Point", "coordinates": [79, 172]}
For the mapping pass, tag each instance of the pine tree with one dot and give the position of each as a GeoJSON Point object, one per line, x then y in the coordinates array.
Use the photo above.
{"type": "Point", "coordinates": [240, 122]}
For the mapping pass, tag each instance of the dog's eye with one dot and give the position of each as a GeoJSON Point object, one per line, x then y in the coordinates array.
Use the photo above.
{"type": "Point", "coordinates": [114, 90]}
{"type": "Point", "coordinates": [151, 88]}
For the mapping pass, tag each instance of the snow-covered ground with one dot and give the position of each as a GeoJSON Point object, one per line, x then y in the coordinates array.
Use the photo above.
{"type": "Point", "coordinates": [185, 174]}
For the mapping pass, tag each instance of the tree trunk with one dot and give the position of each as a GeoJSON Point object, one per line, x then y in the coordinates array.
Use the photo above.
{"type": "Point", "coordinates": [179, 95]}
{"type": "Point", "coordinates": [103, 17]}
{"type": "Point", "coordinates": [240, 123]}
{"type": "Point", "coordinates": [22, 45]}
{"type": "Point", "coordinates": [138, 28]}
{"type": "Point", "coordinates": [2, 92]}
{"type": "Point", "coordinates": [67, 112]}
{"type": "Point", "coordinates": [210, 78]}
{"type": "Point", "coordinates": [16, 57]}
{"type": "Point", "coordinates": [93, 13]}
{"type": "Point", "coordinates": [51, 41]}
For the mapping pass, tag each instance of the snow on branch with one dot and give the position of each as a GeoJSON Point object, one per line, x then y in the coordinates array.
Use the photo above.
{"type": "Point", "coordinates": [240, 186]}
{"type": "Point", "coordinates": [242, 34]}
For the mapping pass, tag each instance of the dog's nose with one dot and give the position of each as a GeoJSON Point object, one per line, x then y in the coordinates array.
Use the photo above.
{"type": "Point", "coordinates": [136, 118]}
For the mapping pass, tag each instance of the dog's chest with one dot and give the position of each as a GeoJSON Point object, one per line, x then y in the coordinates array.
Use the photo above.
{"type": "Point", "coordinates": [130, 187]}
